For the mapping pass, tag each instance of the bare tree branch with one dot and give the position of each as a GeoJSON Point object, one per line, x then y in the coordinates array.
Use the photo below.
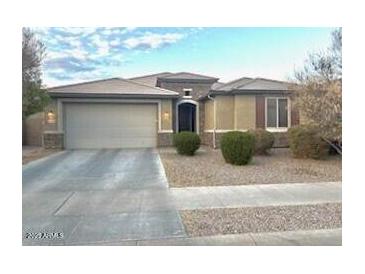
{"type": "Point", "coordinates": [319, 90]}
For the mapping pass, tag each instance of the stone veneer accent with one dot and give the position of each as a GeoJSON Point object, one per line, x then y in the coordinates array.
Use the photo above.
{"type": "Point", "coordinates": [164, 139]}
{"type": "Point", "coordinates": [207, 139]}
{"type": "Point", "coordinates": [56, 139]}
{"type": "Point", "coordinates": [53, 140]}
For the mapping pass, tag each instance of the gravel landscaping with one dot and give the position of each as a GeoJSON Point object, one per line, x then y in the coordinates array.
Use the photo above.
{"type": "Point", "coordinates": [208, 168]}
{"type": "Point", "coordinates": [31, 153]}
{"type": "Point", "coordinates": [261, 219]}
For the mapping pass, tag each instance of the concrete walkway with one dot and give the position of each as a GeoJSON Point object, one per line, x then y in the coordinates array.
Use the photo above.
{"type": "Point", "coordinates": [256, 195]}
{"type": "Point", "coordinates": [322, 237]}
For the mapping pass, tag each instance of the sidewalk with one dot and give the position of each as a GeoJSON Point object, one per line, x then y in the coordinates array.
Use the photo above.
{"type": "Point", "coordinates": [256, 195]}
{"type": "Point", "coordinates": [323, 237]}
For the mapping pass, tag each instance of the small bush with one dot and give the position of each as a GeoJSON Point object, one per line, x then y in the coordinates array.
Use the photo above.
{"type": "Point", "coordinates": [237, 147]}
{"type": "Point", "coordinates": [264, 140]}
{"type": "Point", "coordinates": [306, 142]}
{"type": "Point", "coordinates": [186, 142]}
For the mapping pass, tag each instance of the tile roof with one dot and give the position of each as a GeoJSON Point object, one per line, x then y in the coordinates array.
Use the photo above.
{"type": "Point", "coordinates": [150, 79]}
{"type": "Point", "coordinates": [217, 85]}
{"type": "Point", "coordinates": [188, 76]}
{"type": "Point", "coordinates": [256, 84]}
{"type": "Point", "coordinates": [265, 84]}
{"type": "Point", "coordinates": [234, 84]}
{"type": "Point", "coordinates": [116, 86]}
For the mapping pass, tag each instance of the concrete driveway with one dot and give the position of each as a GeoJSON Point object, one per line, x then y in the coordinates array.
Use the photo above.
{"type": "Point", "coordinates": [97, 197]}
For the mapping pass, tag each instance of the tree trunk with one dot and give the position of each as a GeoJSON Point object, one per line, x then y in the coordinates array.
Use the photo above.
{"type": "Point", "coordinates": [335, 147]}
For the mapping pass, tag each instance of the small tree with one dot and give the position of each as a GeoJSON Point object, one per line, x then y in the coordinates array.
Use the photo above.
{"type": "Point", "coordinates": [319, 91]}
{"type": "Point", "coordinates": [33, 52]}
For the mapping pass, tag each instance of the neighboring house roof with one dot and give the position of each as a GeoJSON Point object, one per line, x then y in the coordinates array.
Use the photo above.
{"type": "Point", "coordinates": [246, 85]}
{"type": "Point", "coordinates": [151, 79]}
{"type": "Point", "coordinates": [233, 84]}
{"type": "Point", "coordinates": [217, 85]}
{"type": "Point", "coordinates": [111, 87]}
{"type": "Point", "coordinates": [187, 76]}
{"type": "Point", "coordinates": [265, 84]}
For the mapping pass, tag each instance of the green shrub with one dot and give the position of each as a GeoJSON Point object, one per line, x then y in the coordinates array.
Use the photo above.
{"type": "Point", "coordinates": [186, 142]}
{"type": "Point", "coordinates": [264, 140]}
{"type": "Point", "coordinates": [306, 142]}
{"type": "Point", "coordinates": [237, 147]}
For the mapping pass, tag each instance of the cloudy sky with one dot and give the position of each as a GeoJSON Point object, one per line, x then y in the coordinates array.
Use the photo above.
{"type": "Point", "coordinates": [82, 54]}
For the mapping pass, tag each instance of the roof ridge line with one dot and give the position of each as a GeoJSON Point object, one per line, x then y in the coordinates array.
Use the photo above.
{"type": "Point", "coordinates": [249, 82]}
{"type": "Point", "coordinates": [87, 82]}
{"type": "Point", "coordinates": [197, 74]}
{"type": "Point", "coordinates": [234, 81]}
{"type": "Point", "coordinates": [144, 85]}
{"type": "Point", "coordinates": [239, 79]}
{"type": "Point", "coordinates": [148, 75]}
{"type": "Point", "coordinates": [273, 80]}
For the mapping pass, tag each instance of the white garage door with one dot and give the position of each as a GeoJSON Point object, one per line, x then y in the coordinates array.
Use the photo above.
{"type": "Point", "coordinates": [94, 125]}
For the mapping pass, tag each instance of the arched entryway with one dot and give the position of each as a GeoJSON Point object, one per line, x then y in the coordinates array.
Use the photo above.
{"type": "Point", "coordinates": [187, 116]}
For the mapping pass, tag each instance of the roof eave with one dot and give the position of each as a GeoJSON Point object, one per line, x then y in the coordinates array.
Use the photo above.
{"type": "Point", "coordinates": [259, 91]}
{"type": "Point", "coordinates": [244, 92]}
{"type": "Point", "coordinates": [111, 95]}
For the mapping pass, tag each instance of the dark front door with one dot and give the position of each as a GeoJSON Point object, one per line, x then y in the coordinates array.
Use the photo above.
{"type": "Point", "coordinates": [187, 117]}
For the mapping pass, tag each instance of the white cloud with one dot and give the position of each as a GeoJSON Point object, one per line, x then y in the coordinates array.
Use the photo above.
{"type": "Point", "coordinates": [59, 37]}
{"type": "Point", "coordinates": [130, 29]}
{"type": "Point", "coordinates": [55, 54]}
{"type": "Point", "coordinates": [101, 45]}
{"type": "Point", "coordinates": [121, 31]}
{"type": "Point", "coordinates": [106, 31]}
{"type": "Point", "coordinates": [152, 40]}
{"type": "Point", "coordinates": [75, 43]}
{"type": "Point", "coordinates": [83, 31]}
{"type": "Point", "coordinates": [76, 53]}
{"type": "Point", "coordinates": [57, 70]}
{"type": "Point", "coordinates": [96, 39]}
{"type": "Point", "coordinates": [114, 42]}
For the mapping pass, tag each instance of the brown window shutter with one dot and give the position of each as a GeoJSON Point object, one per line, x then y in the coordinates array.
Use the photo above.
{"type": "Point", "coordinates": [260, 111]}
{"type": "Point", "coordinates": [294, 116]}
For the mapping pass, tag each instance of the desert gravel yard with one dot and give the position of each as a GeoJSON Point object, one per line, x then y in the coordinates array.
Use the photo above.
{"type": "Point", "coordinates": [208, 168]}
{"type": "Point", "coordinates": [261, 219]}
{"type": "Point", "coordinates": [31, 153]}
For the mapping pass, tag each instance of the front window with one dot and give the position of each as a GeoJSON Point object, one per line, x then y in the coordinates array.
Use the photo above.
{"type": "Point", "coordinates": [277, 113]}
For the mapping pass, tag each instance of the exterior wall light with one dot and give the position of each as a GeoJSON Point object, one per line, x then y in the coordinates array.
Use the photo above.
{"type": "Point", "coordinates": [51, 117]}
{"type": "Point", "coordinates": [166, 115]}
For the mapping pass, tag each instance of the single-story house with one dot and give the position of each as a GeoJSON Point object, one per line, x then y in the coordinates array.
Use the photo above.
{"type": "Point", "coordinates": [145, 111]}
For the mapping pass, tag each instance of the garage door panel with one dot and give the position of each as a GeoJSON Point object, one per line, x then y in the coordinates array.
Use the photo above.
{"type": "Point", "coordinates": [110, 125]}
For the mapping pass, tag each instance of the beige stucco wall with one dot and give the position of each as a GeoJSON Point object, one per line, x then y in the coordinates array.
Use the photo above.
{"type": "Point", "coordinates": [166, 120]}
{"type": "Point", "coordinates": [209, 115]}
{"type": "Point", "coordinates": [232, 112]}
{"type": "Point", "coordinates": [224, 112]}
{"type": "Point", "coordinates": [244, 112]}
